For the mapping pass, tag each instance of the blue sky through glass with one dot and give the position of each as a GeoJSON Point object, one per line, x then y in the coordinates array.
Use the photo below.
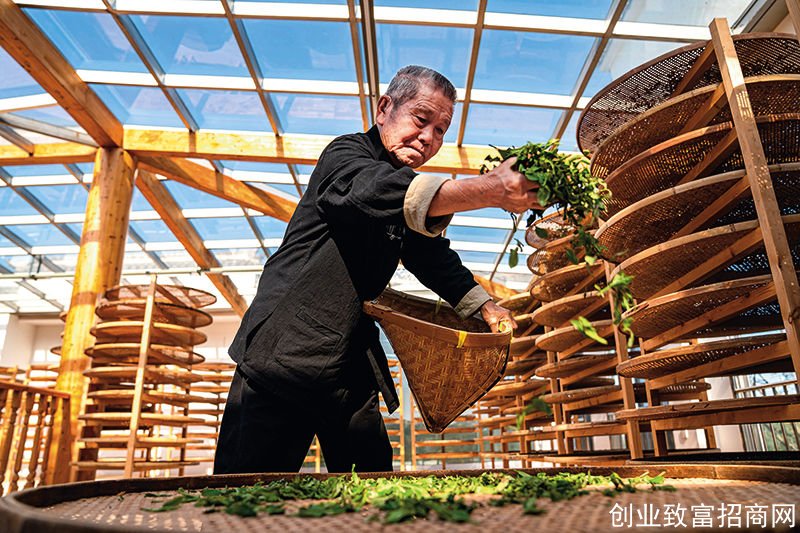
{"type": "Point", "coordinates": [223, 228]}
{"type": "Point", "coordinates": [226, 110]}
{"type": "Point", "coordinates": [88, 40]}
{"type": "Point", "coordinates": [191, 198]}
{"type": "Point", "coordinates": [504, 125]}
{"type": "Point", "coordinates": [141, 106]}
{"type": "Point", "coordinates": [41, 235]}
{"type": "Point", "coordinates": [530, 62]}
{"type": "Point", "coordinates": [592, 9]}
{"type": "Point", "coordinates": [192, 45]}
{"type": "Point", "coordinates": [12, 204]}
{"type": "Point", "coordinates": [466, 5]}
{"type": "Point", "coordinates": [302, 49]}
{"type": "Point", "coordinates": [322, 114]}
{"type": "Point", "coordinates": [54, 115]}
{"type": "Point", "coordinates": [686, 12]}
{"type": "Point", "coordinates": [443, 49]}
{"type": "Point", "coordinates": [61, 199]}
{"type": "Point", "coordinates": [152, 231]}
{"type": "Point", "coordinates": [15, 81]}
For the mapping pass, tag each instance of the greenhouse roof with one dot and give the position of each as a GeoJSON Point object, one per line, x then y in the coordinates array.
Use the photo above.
{"type": "Point", "coordinates": [289, 76]}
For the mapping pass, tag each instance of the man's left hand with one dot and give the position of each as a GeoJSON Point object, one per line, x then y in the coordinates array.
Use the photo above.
{"type": "Point", "coordinates": [498, 318]}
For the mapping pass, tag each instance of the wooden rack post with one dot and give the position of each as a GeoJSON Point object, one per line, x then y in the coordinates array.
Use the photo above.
{"type": "Point", "coordinates": [769, 215]}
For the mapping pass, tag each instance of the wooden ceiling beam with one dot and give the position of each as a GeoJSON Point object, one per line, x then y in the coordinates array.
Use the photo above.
{"type": "Point", "coordinates": [220, 185]}
{"type": "Point", "coordinates": [44, 154]}
{"type": "Point", "coordinates": [23, 40]}
{"type": "Point", "coordinates": [169, 211]}
{"type": "Point", "coordinates": [289, 148]}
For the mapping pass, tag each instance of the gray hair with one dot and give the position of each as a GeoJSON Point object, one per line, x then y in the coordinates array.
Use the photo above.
{"type": "Point", "coordinates": [406, 83]}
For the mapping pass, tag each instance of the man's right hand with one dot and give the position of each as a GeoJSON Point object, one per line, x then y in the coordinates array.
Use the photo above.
{"type": "Point", "coordinates": [510, 189]}
{"type": "Point", "coordinates": [501, 187]}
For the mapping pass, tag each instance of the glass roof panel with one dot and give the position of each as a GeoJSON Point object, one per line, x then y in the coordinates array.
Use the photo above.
{"type": "Point", "coordinates": [61, 199]}
{"type": "Point", "coordinates": [89, 40]}
{"type": "Point", "coordinates": [139, 202]}
{"type": "Point", "coordinates": [226, 110]}
{"type": "Point", "coordinates": [478, 257]}
{"type": "Point", "coordinates": [285, 188]}
{"type": "Point", "coordinates": [620, 56]}
{"type": "Point", "coordinates": [320, 114]}
{"type": "Point", "coordinates": [177, 258]}
{"type": "Point", "coordinates": [452, 132]}
{"type": "Point", "coordinates": [488, 212]}
{"type": "Point", "coordinates": [530, 62]}
{"type": "Point", "coordinates": [15, 80]}
{"type": "Point", "coordinates": [302, 1]}
{"type": "Point", "coordinates": [40, 234]}
{"type": "Point", "coordinates": [302, 49]}
{"type": "Point", "coordinates": [270, 228]}
{"type": "Point", "coordinates": [223, 228]}
{"type": "Point", "coordinates": [467, 5]}
{"type": "Point", "coordinates": [569, 140]}
{"type": "Point", "coordinates": [192, 45]}
{"type": "Point", "coordinates": [35, 170]}
{"type": "Point", "coordinates": [444, 49]}
{"type": "Point", "coordinates": [136, 260]}
{"type": "Point", "coordinates": [503, 125]}
{"type": "Point", "coordinates": [255, 166]}
{"type": "Point", "coordinates": [683, 12]}
{"type": "Point", "coordinates": [53, 114]}
{"type": "Point", "coordinates": [152, 230]}
{"type": "Point", "coordinates": [594, 9]}
{"type": "Point", "coordinates": [487, 235]}
{"type": "Point", "coordinates": [12, 204]}
{"type": "Point", "coordinates": [240, 256]}
{"type": "Point", "coordinates": [140, 106]}
{"type": "Point", "coordinates": [191, 198]}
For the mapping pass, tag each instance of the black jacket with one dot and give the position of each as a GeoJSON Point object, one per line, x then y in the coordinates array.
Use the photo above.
{"type": "Point", "coordinates": [341, 248]}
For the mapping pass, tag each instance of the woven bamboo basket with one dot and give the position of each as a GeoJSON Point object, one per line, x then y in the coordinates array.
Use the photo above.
{"type": "Point", "coordinates": [450, 363]}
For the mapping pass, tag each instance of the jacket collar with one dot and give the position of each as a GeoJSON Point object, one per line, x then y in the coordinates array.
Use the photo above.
{"type": "Point", "coordinates": [374, 137]}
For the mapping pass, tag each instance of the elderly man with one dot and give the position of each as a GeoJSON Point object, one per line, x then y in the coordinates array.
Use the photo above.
{"type": "Point", "coordinates": [309, 361]}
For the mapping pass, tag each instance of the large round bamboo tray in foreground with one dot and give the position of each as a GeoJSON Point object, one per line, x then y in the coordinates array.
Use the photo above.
{"type": "Point", "coordinates": [562, 282]}
{"type": "Point", "coordinates": [560, 339]}
{"type": "Point", "coordinates": [652, 83]}
{"type": "Point", "coordinates": [160, 333]}
{"type": "Point", "coordinates": [556, 313]}
{"type": "Point", "coordinates": [667, 164]}
{"type": "Point", "coordinates": [449, 362]}
{"type": "Point", "coordinates": [659, 217]}
{"type": "Point", "coordinates": [116, 505]}
{"type": "Point", "coordinates": [769, 95]}
{"type": "Point", "coordinates": [133, 309]}
{"type": "Point", "coordinates": [656, 316]}
{"type": "Point", "coordinates": [664, 362]}
{"type": "Point", "coordinates": [657, 269]}
{"type": "Point", "coordinates": [128, 353]}
{"type": "Point", "coordinates": [175, 294]}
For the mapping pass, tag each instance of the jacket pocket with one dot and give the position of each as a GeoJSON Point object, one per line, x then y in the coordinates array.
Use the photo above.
{"type": "Point", "coordinates": [306, 346]}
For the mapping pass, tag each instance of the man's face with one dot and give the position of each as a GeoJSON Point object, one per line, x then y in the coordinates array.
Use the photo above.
{"type": "Point", "coordinates": [414, 131]}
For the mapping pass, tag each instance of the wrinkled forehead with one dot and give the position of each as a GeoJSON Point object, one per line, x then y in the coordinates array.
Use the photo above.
{"type": "Point", "coordinates": [431, 98]}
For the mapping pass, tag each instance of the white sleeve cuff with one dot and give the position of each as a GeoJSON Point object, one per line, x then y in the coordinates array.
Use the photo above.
{"type": "Point", "coordinates": [472, 301]}
{"type": "Point", "coordinates": [417, 202]}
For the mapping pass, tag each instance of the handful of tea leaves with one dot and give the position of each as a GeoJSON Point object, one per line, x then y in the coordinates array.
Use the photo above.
{"type": "Point", "coordinates": [565, 181]}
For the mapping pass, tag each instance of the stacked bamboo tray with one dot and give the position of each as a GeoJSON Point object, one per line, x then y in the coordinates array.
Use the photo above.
{"type": "Point", "coordinates": [706, 196]}
{"type": "Point", "coordinates": [136, 416]}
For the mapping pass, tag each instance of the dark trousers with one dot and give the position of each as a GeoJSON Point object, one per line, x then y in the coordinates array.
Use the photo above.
{"type": "Point", "coordinates": [263, 431]}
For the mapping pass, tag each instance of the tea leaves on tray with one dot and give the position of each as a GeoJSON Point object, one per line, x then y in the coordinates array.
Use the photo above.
{"type": "Point", "coordinates": [401, 498]}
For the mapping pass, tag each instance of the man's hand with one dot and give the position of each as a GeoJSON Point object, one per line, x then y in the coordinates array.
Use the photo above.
{"type": "Point", "coordinates": [502, 187]}
{"type": "Point", "coordinates": [498, 318]}
{"type": "Point", "coordinates": [511, 189]}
